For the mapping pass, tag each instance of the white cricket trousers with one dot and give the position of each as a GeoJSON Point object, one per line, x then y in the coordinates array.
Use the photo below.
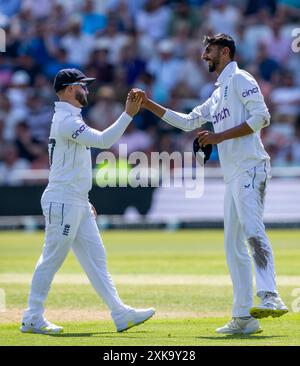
{"type": "Point", "coordinates": [243, 224]}
{"type": "Point", "coordinates": [70, 226]}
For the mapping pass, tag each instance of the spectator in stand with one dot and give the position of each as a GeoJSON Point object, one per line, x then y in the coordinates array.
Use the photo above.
{"type": "Point", "coordinates": [279, 139]}
{"type": "Point", "coordinates": [22, 30]}
{"type": "Point", "coordinates": [267, 66]}
{"type": "Point", "coordinates": [11, 165]}
{"type": "Point", "coordinates": [290, 8]}
{"type": "Point", "coordinates": [122, 15]}
{"type": "Point", "coordinates": [41, 162]}
{"type": "Point", "coordinates": [151, 44]}
{"type": "Point", "coordinates": [222, 17]}
{"type": "Point", "coordinates": [181, 39]}
{"type": "Point", "coordinates": [39, 118]}
{"type": "Point", "coordinates": [27, 63]}
{"type": "Point", "coordinates": [29, 148]}
{"type": "Point", "coordinates": [92, 21]}
{"type": "Point", "coordinates": [45, 89]}
{"type": "Point", "coordinates": [255, 6]}
{"type": "Point", "coordinates": [135, 140]}
{"type": "Point", "coordinates": [60, 61]}
{"type": "Point", "coordinates": [154, 19]}
{"type": "Point", "coordinates": [39, 9]}
{"type": "Point", "coordinates": [257, 32]}
{"type": "Point", "coordinates": [295, 145]}
{"type": "Point", "coordinates": [99, 60]}
{"type": "Point", "coordinates": [6, 71]}
{"type": "Point", "coordinates": [285, 98]}
{"type": "Point", "coordinates": [12, 43]}
{"type": "Point", "coordinates": [2, 139]}
{"type": "Point", "coordinates": [133, 6]}
{"type": "Point", "coordinates": [13, 104]}
{"type": "Point", "coordinates": [10, 8]}
{"type": "Point", "coordinates": [245, 53]}
{"type": "Point", "coordinates": [19, 89]}
{"type": "Point", "coordinates": [106, 110]}
{"type": "Point", "coordinates": [71, 6]}
{"type": "Point", "coordinates": [167, 142]}
{"type": "Point", "coordinates": [183, 12]}
{"type": "Point", "coordinates": [78, 45]}
{"type": "Point", "coordinates": [119, 84]}
{"type": "Point", "coordinates": [115, 40]}
{"type": "Point", "coordinates": [193, 72]}
{"type": "Point", "coordinates": [39, 45]}
{"type": "Point", "coordinates": [278, 45]}
{"type": "Point", "coordinates": [58, 19]}
{"type": "Point", "coordinates": [166, 68]}
{"type": "Point", "coordinates": [131, 63]}
{"type": "Point", "coordinates": [207, 87]}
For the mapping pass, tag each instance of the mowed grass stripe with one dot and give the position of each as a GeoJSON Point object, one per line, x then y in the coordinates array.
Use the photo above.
{"type": "Point", "coordinates": [142, 279]}
{"type": "Point", "coordinates": [182, 274]}
{"type": "Point", "coordinates": [72, 315]}
{"type": "Point", "coordinates": [159, 332]}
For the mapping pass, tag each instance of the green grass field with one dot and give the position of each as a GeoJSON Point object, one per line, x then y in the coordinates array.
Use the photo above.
{"type": "Point", "coordinates": [182, 274]}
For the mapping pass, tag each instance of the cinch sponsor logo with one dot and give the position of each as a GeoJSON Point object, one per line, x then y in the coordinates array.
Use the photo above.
{"type": "Point", "coordinates": [77, 132]}
{"type": "Point", "coordinates": [250, 91]}
{"type": "Point", "coordinates": [221, 115]}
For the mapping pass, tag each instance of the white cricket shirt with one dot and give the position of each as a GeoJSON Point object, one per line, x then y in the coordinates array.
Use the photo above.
{"type": "Point", "coordinates": [70, 140]}
{"type": "Point", "coordinates": [236, 99]}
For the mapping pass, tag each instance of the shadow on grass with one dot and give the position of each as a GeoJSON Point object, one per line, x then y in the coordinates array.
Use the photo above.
{"type": "Point", "coordinates": [240, 336]}
{"type": "Point", "coordinates": [99, 334]}
{"type": "Point", "coordinates": [123, 335]}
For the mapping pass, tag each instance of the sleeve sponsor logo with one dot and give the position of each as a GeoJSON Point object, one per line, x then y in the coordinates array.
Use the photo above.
{"type": "Point", "coordinates": [79, 131]}
{"type": "Point", "coordinates": [246, 93]}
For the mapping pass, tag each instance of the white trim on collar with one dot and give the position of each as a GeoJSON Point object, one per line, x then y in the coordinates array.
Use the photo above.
{"type": "Point", "coordinates": [67, 106]}
{"type": "Point", "coordinates": [228, 70]}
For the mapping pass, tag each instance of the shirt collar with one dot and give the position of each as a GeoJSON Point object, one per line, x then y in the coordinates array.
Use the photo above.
{"type": "Point", "coordinates": [228, 71]}
{"type": "Point", "coordinates": [67, 107]}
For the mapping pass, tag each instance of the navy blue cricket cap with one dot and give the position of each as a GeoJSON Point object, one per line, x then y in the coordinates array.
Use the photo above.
{"type": "Point", "coordinates": [68, 76]}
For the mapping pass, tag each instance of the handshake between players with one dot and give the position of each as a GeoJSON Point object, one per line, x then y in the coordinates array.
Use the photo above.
{"type": "Point", "coordinates": [202, 144]}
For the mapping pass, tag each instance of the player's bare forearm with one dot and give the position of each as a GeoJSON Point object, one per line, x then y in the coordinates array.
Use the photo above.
{"type": "Point", "coordinates": [155, 108]}
{"type": "Point", "coordinates": [239, 131]}
{"type": "Point", "coordinates": [147, 103]}
{"type": "Point", "coordinates": [208, 137]}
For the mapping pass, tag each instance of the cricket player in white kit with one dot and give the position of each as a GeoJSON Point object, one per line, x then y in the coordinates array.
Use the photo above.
{"type": "Point", "coordinates": [237, 111]}
{"type": "Point", "coordinates": [70, 218]}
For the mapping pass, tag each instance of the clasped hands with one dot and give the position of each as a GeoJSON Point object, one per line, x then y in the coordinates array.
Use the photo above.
{"type": "Point", "coordinates": [204, 137]}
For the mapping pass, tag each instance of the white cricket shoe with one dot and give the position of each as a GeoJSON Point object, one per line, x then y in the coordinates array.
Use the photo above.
{"type": "Point", "coordinates": [131, 317]}
{"type": "Point", "coordinates": [270, 305]}
{"type": "Point", "coordinates": [240, 326]}
{"type": "Point", "coordinates": [41, 327]}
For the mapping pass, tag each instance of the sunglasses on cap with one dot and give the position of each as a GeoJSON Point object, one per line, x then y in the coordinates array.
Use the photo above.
{"type": "Point", "coordinates": [83, 85]}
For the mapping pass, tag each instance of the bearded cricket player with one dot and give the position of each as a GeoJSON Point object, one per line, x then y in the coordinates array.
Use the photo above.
{"type": "Point", "coordinates": [237, 112]}
{"type": "Point", "coordinates": [70, 217]}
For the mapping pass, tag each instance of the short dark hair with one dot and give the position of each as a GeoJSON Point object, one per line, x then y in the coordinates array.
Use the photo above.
{"type": "Point", "coordinates": [222, 40]}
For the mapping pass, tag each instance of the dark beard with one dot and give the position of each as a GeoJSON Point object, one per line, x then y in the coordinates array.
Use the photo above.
{"type": "Point", "coordinates": [82, 99]}
{"type": "Point", "coordinates": [214, 63]}
{"type": "Point", "coordinates": [212, 67]}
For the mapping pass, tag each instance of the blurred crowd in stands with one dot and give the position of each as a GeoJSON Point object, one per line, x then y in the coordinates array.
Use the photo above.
{"type": "Point", "coordinates": [155, 45]}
